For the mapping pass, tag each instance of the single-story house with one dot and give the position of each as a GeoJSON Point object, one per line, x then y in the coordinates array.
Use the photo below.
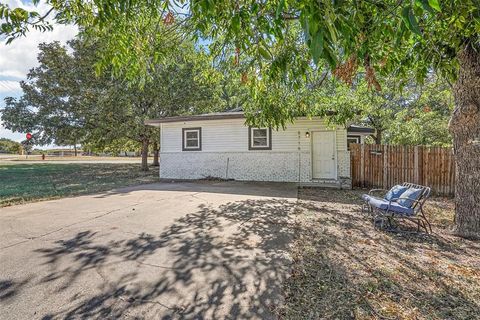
{"type": "Point", "coordinates": [221, 145]}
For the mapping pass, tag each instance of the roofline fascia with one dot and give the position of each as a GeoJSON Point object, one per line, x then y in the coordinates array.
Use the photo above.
{"type": "Point", "coordinates": [154, 122]}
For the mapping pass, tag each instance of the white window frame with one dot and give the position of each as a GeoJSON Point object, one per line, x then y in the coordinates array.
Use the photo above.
{"type": "Point", "coordinates": [268, 146]}
{"type": "Point", "coordinates": [185, 131]}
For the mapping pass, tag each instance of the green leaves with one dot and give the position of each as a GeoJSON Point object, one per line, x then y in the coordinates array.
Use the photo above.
{"type": "Point", "coordinates": [280, 8]}
{"type": "Point", "coordinates": [316, 46]}
{"type": "Point", "coordinates": [19, 13]}
{"type": "Point", "coordinates": [17, 22]}
{"type": "Point", "coordinates": [3, 11]}
{"type": "Point", "coordinates": [435, 5]}
{"type": "Point", "coordinates": [264, 52]}
{"type": "Point", "coordinates": [431, 6]}
{"type": "Point", "coordinates": [410, 20]}
{"type": "Point", "coordinates": [424, 4]}
{"type": "Point", "coordinates": [10, 146]}
{"type": "Point", "coordinates": [320, 33]}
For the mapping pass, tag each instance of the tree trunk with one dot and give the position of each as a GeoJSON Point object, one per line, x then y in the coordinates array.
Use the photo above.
{"type": "Point", "coordinates": [378, 136]}
{"type": "Point", "coordinates": [145, 154]}
{"type": "Point", "coordinates": [75, 149]}
{"type": "Point", "coordinates": [156, 151]}
{"type": "Point", "coordinates": [465, 128]}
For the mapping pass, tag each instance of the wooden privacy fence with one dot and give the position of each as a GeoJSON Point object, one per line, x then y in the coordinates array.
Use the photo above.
{"type": "Point", "coordinates": [383, 166]}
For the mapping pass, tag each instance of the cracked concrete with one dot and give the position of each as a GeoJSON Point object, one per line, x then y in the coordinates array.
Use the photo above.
{"type": "Point", "coordinates": [209, 250]}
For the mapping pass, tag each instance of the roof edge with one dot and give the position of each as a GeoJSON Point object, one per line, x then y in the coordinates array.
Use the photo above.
{"type": "Point", "coordinates": [359, 129]}
{"type": "Point", "coordinates": [200, 117]}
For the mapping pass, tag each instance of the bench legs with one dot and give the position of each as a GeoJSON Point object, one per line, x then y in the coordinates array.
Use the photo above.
{"type": "Point", "coordinates": [426, 220]}
{"type": "Point", "coordinates": [366, 208]}
{"type": "Point", "coordinates": [387, 219]}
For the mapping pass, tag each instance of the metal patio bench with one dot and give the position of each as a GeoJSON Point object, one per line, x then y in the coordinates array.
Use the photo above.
{"type": "Point", "coordinates": [401, 205]}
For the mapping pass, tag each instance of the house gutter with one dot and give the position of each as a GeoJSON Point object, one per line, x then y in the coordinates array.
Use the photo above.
{"type": "Point", "coordinates": [157, 122]}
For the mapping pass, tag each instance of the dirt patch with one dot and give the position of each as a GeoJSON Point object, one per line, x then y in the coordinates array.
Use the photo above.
{"type": "Point", "coordinates": [345, 269]}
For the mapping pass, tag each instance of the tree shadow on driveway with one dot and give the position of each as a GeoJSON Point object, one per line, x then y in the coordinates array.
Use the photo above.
{"type": "Point", "coordinates": [9, 288]}
{"type": "Point", "coordinates": [227, 262]}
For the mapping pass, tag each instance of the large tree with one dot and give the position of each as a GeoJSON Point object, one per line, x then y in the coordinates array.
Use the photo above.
{"type": "Point", "coordinates": [46, 107]}
{"type": "Point", "coordinates": [379, 36]}
{"type": "Point", "coordinates": [10, 146]}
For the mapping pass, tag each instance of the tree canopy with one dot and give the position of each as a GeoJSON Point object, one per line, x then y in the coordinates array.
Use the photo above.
{"type": "Point", "coordinates": [10, 146]}
{"type": "Point", "coordinates": [389, 36]}
{"type": "Point", "coordinates": [417, 114]}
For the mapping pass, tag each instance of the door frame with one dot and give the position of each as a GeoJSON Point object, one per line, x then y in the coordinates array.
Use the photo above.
{"type": "Point", "coordinates": [335, 153]}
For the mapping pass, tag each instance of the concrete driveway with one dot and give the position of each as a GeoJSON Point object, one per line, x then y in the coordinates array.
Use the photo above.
{"type": "Point", "coordinates": [209, 250]}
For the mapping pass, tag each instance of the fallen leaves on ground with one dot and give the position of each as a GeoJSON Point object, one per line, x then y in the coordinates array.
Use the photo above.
{"type": "Point", "coordinates": [343, 268]}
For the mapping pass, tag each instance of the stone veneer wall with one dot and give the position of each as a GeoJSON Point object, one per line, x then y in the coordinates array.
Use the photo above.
{"type": "Point", "coordinates": [343, 167]}
{"type": "Point", "coordinates": [247, 166]}
{"type": "Point", "coordinates": [343, 164]}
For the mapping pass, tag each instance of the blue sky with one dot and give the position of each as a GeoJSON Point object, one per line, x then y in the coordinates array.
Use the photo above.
{"type": "Point", "coordinates": [21, 55]}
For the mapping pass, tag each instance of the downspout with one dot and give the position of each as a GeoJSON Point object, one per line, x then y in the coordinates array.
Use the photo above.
{"type": "Point", "coordinates": [159, 148]}
{"type": "Point", "coordinates": [226, 173]}
{"type": "Point", "coordinates": [299, 159]}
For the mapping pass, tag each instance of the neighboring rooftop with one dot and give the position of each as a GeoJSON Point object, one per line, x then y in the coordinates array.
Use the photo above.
{"type": "Point", "coordinates": [359, 129]}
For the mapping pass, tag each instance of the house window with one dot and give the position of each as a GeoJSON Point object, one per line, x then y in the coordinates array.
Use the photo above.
{"type": "Point", "coordinates": [192, 139]}
{"type": "Point", "coordinates": [260, 139]}
{"type": "Point", "coordinates": [352, 139]}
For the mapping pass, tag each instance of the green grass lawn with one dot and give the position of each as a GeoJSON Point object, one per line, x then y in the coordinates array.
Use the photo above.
{"type": "Point", "coordinates": [27, 182]}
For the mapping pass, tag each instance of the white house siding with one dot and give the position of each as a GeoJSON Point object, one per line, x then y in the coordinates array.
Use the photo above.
{"type": "Point", "coordinates": [225, 152]}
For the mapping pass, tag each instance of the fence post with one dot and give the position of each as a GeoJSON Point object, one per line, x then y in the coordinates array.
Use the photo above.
{"type": "Point", "coordinates": [362, 165]}
{"type": "Point", "coordinates": [416, 165]}
{"type": "Point", "coordinates": [385, 169]}
{"type": "Point", "coordinates": [426, 166]}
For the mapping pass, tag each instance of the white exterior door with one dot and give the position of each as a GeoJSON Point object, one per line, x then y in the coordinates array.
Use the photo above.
{"type": "Point", "coordinates": [324, 155]}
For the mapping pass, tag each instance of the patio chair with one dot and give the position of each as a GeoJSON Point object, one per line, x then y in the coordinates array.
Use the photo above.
{"type": "Point", "coordinates": [397, 203]}
{"type": "Point", "coordinates": [386, 194]}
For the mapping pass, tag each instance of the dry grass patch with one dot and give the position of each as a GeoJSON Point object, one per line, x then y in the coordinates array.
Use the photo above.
{"type": "Point", "coordinates": [345, 269]}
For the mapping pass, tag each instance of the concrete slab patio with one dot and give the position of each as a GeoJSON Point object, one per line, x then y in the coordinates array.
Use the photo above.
{"type": "Point", "coordinates": [208, 250]}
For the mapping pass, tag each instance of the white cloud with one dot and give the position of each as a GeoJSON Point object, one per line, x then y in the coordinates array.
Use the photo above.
{"type": "Point", "coordinates": [8, 86]}
{"type": "Point", "coordinates": [21, 55]}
